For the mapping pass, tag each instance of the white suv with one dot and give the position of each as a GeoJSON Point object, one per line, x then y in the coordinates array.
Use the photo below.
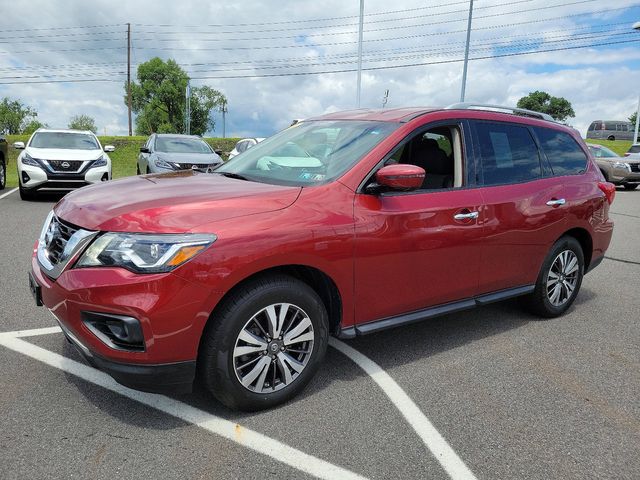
{"type": "Point", "coordinates": [61, 160]}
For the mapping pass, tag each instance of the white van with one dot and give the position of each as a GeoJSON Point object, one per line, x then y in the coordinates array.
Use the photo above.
{"type": "Point", "coordinates": [611, 130]}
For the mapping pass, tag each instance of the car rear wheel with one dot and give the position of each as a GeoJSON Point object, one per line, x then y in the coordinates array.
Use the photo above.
{"type": "Point", "coordinates": [630, 186]}
{"type": "Point", "coordinates": [3, 175]}
{"type": "Point", "coordinates": [559, 280]}
{"type": "Point", "coordinates": [137, 169]}
{"type": "Point", "coordinates": [264, 344]}
{"type": "Point", "coordinates": [611, 138]}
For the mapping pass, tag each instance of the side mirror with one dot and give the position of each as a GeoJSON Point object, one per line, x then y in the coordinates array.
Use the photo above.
{"type": "Point", "coordinates": [400, 177]}
{"type": "Point", "coordinates": [218, 152]}
{"type": "Point", "coordinates": [18, 145]}
{"type": "Point", "coordinates": [109, 148]}
{"type": "Point", "coordinates": [144, 150]}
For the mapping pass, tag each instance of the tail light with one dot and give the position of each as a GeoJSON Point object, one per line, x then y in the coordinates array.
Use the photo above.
{"type": "Point", "coordinates": [609, 190]}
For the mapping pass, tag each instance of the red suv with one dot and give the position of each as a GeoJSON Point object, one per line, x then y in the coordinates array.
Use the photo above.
{"type": "Point", "coordinates": [343, 225]}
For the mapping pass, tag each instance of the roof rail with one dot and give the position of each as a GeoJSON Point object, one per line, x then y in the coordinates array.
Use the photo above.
{"type": "Point", "coordinates": [501, 108]}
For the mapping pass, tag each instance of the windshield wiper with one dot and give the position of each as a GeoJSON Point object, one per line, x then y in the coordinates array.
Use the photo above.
{"type": "Point", "coordinates": [237, 176]}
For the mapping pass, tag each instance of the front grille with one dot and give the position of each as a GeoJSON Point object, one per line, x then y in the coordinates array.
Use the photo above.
{"type": "Point", "coordinates": [65, 165]}
{"type": "Point", "coordinates": [57, 236]}
{"type": "Point", "coordinates": [635, 167]}
{"type": "Point", "coordinates": [188, 166]}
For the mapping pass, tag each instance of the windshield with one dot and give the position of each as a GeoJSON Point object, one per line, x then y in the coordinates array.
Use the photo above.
{"type": "Point", "coordinates": [309, 153]}
{"type": "Point", "coordinates": [602, 152]}
{"type": "Point", "coordinates": [65, 140]}
{"type": "Point", "coordinates": [182, 145]}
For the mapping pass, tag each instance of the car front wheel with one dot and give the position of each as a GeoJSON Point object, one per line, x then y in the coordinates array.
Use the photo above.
{"type": "Point", "coordinates": [264, 344]}
{"type": "Point", "coordinates": [559, 280]}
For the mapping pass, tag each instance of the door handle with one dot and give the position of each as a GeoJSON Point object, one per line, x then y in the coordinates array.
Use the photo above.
{"type": "Point", "coordinates": [556, 202]}
{"type": "Point", "coordinates": [466, 216]}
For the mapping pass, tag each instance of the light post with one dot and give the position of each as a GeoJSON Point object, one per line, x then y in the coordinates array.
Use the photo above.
{"type": "Point", "coordinates": [466, 53]}
{"type": "Point", "coordinates": [636, 26]}
{"type": "Point", "coordinates": [359, 80]}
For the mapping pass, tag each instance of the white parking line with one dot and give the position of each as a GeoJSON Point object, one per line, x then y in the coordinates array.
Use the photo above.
{"type": "Point", "coordinates": [450, 461]}
{"type": "Point", "coordinates": [8, 193]}
{"type": "Point", "coordinates": [229, 430]}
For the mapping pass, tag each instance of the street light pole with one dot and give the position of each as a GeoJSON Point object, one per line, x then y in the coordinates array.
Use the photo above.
{"type": "Point", "coordinates": [466, 53]}
{"type": "Point", "coordinates": [360, 53]}
{"type": "Point", "coordinates": [636, 26]}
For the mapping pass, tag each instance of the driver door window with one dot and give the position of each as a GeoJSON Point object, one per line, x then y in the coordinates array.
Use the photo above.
{"type": "Point", "coordinates": [439, 152]}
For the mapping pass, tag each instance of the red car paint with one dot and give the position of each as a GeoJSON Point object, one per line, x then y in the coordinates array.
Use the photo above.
{"type": "Point", "coordinates": [387, 255]}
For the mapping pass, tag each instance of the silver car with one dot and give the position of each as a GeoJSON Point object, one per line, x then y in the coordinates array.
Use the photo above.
{"type": "Point", "coordinates": [167, 152]}
{"type": "Point", "coordinates": [618, 170]}
{"type": "Point", "coordinates": [633, 152]}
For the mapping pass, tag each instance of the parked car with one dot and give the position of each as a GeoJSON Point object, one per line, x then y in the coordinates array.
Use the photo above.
{"type": "Point", "coordinates": [4, 156]}
{"type": "Point", "coordinates": [633, 152]}
{"type": "Point", "coordinates": [243, 145]}
{"type": "Point", "coordinates": [61, 160]}
{"type": "Point", "coordinates": [624, 171]}
{"type": "Point", "coordinates": [167, 152]}
{"type": "Point", "coordinates": [611, 130]}
{"type": "Point", "coordinates": [237, 278]}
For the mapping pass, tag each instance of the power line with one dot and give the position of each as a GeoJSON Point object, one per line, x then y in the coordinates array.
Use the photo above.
{"type": "Point", "coordinates": [508, 54]}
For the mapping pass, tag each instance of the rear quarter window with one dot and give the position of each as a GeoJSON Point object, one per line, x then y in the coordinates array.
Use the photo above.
{"type": "Point", "coordinates": [563, 152]}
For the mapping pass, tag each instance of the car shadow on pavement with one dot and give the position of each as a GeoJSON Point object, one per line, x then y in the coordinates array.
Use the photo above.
{"type": "Point", "coordinates": [390, 349]}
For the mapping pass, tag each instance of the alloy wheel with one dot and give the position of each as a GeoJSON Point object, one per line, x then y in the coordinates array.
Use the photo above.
{"type": "Point", "coordinates": [2, 174]}
{"type": "Point", "coordinates": [562, 278]}
{"type": "Point", "coordinates": [273, 348]}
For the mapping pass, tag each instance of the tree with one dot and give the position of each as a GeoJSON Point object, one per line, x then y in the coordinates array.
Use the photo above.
{"type": "Point", "coordinates": [14, 116]}
{"type": "Point", "coordinates": [32, 126]}
{"type": "Point", "coordinates": [558, 107]}
{"type": "Point", "coordinates": [632, 118]}
{"type": "Point", "coordinates": [83, 122]}
{"type": "Point", "coordinates": [158, 100]}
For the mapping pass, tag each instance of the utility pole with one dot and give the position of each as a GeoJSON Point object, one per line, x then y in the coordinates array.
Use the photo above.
{"type": "Point", "coordinates": [360, 53]}
{"type": "Point", "coordinates": [636, 26]}
{"type": "Point", "coordinates": [385, 98]}
{"type": "Point", "coordinates": [224, 119]}
{"type": "Point", "coordinates": [187, 109]}
{"type": "Point", "coordinates": [129, 75]}
{"type": "Point", "coordinates": [466, 53]}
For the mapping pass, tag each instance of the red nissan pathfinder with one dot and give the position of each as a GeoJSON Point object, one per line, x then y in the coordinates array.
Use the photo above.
{"type": "Point", "coordinates": [343, 225]}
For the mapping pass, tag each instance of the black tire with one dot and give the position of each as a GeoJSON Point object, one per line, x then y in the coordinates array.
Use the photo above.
{"type": "Point", "coordinates": [630, 186]}
{"type": "Point", "coordinates": [611, 138]}
{"type": "Point", "coordinates": [3, 175]}
{"type": "Point", "coordinates": [137, 169]}
{"type": "Point", "coordinates": [26, 194]}
{"type": "Point", "coordinates": [148, 171]}
{"type": "Point", "coordinates": [539, 302]}
{"type": "Point", "coordinates": [216, 368]}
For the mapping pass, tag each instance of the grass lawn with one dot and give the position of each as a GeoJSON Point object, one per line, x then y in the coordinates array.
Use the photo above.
{"type": "Point", "coordinates": [619, 146]}
{"type": "Point", "coordinates": [123, 160]}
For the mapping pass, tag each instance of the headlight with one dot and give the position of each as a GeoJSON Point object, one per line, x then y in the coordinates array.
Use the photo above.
{"type": "Point", "coordinates": [162, 164]}
{"type": "Point", "coordinates": [28, 160]}
{"type": "Point", "coordinates": [623, 165]}
{"type": "Point", "coordinates": [101, 162]}
{"type": "Point", "coordinates": [144, 253]}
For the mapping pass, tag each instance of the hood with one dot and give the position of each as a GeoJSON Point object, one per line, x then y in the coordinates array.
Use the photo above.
{"type": "Point", "coordinates": [170, 203]}
{"type": "Point", "coordinates": [189, 157]}
{"type": "Point", "coordinates": [63, 154]}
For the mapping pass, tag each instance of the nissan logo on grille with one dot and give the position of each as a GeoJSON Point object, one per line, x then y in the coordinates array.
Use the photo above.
{"type": "Point", "coordinates": [65, 165]}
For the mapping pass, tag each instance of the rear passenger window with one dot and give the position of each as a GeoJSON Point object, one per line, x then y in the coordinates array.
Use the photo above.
{"type": "Point", "coordinates": [509, 154]}
{"type": "Point", "coordinates": [564, 154]}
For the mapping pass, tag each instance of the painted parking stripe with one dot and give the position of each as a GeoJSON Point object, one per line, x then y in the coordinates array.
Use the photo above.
{"type": "Point", "coordinates": [437, 445]}
{"type": "Point", "coordinates": [34, 332]}
{"type": "Point", "coordinates": [229, 430]}
{"type": "Point", "coordinates": [8, 193]}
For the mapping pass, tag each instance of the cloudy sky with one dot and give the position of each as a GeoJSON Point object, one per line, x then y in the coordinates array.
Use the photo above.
{"type": "Point", "coordinates": [277, 61]}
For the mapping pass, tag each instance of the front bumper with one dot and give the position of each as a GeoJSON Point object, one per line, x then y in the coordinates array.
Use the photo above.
{"type": "Point", "coordinates": [40, 180]}
{"type": "Point", "coordinates": [172, 313]}
{"type": "Point", "coordinates": [621, 176]}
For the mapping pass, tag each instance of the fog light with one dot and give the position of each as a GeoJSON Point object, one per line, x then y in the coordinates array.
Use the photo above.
{"type": "Point", "coordinates": [25, 177]}
{"type": "Point", "coordinates": [117, 331]}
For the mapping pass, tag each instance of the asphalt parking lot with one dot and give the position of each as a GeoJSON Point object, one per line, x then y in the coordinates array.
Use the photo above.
{"type": "Point", "coordinates": [496, 393]}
